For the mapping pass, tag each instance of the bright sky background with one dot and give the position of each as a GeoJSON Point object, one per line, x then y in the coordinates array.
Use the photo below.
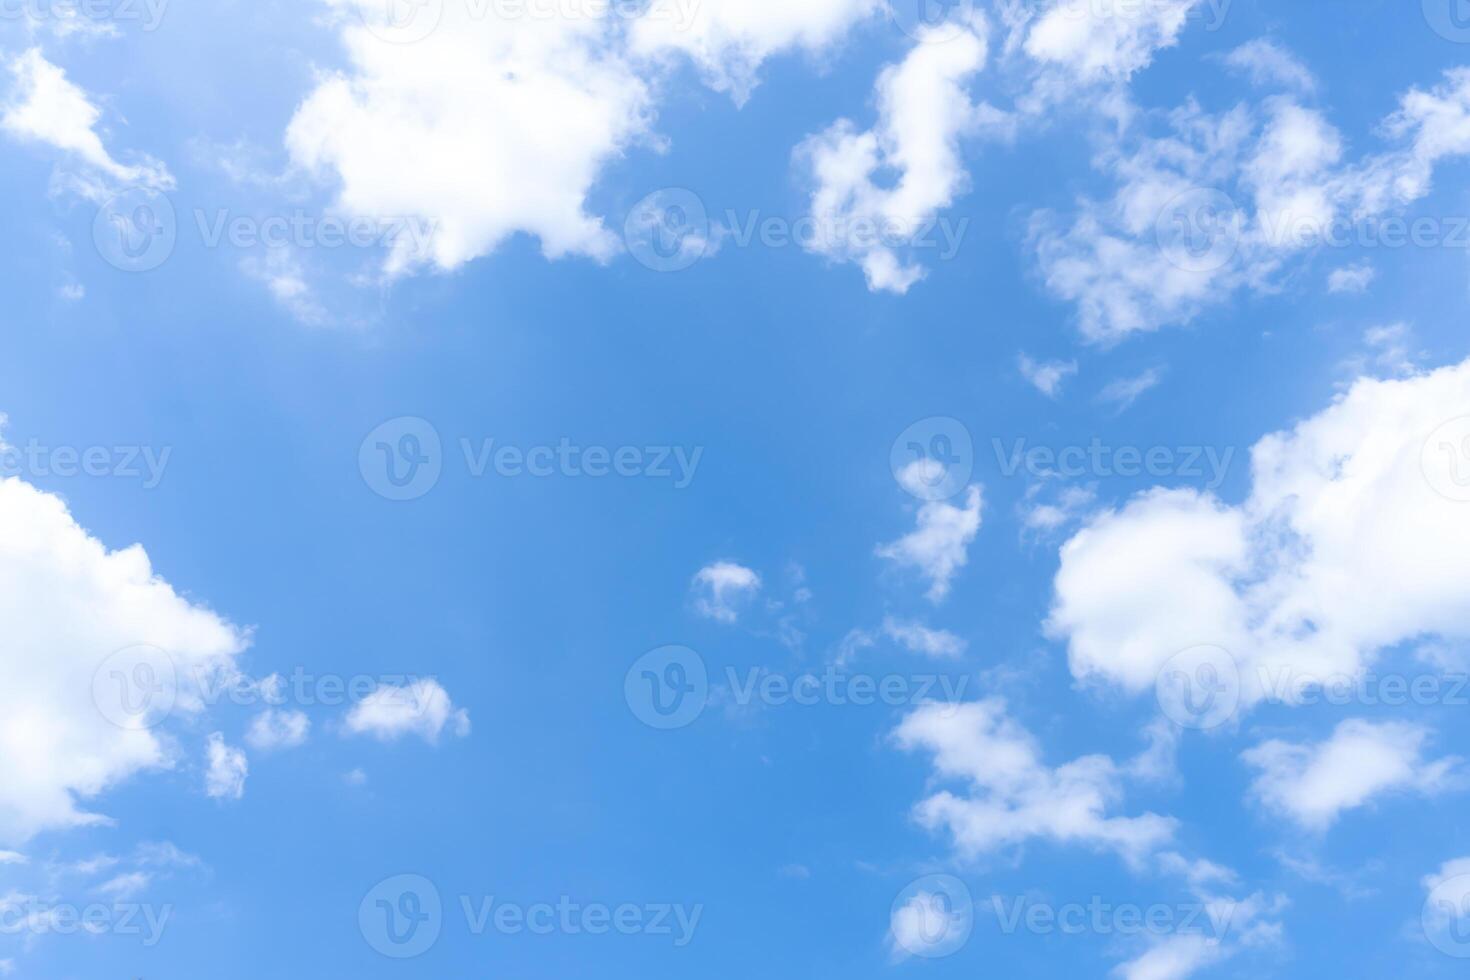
{"type": "Point", "coordinates": [729, 488]}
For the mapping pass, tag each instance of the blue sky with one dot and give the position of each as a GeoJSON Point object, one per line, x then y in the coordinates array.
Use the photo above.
{"type": "Point", "coordinates": [767, 488]}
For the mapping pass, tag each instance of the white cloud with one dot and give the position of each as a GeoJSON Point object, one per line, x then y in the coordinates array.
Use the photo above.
{"type": "Point", "coordinates": [126, 886]}
{"type": "Point", "coordinates": [458, 128]}
{"type": "Point", "coordinates": [1268, 63]}
{"type": "Point", "coordinates": [278, 729]}
{"type": "Point", "coordinates": [66, 605]}
{"type": "Point", "coordinates": [421, 708]}
{"type": "Point", "coordinates": [1088, 42]}
{"type": "Point", "coordinates": [1314, 784]}
{"type": "Point", "coordinates": [1355, 538]}
{"type": "Point", "coordinates": [1070, 504]}
{"type": "Point", "coordinates": [228, 767]}
{"type": "Point", "coordinates": [939, 546]}
{"type": "Point", "coordinates": [722, 588]}
{"type": "Point", "coordinates": [12, 857]}
{"type": "Point", "coordinates": [1220, 203]}
{"type": "Point", "coordinates": [1123, 392]}
{"type": "Point", "coordinates": [924, 111]}
{"type": "Point", "coordinates": [46, 107]}
{"type": "Point", "coordinates": [918, 638]}
{"type": "Point", "coordinates": [1351, 278]}
{"type": "Point", "coordinates": [730, 39]}
{"type": "Point", "coordinates": [1047, 376]}
{"type": "Point", "coordinates": [1012, 796]}
{"type": "Point", "coordinates": [1446, 904]}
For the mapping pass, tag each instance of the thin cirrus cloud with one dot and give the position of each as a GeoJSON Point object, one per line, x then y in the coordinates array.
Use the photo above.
{"type": "Point", "coordinates": [939, 546]}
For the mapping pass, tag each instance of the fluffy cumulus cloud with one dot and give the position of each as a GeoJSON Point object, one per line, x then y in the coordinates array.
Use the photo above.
{"type": "Point", "coordinates": [722, 588]}
{"type": "Point", "coordinates": [940, 546]}
{"type": "Point", "coordinates": [422, 708]}
{"type": "Point", "coordinates": [1096, 42]}
{"type": "Point", "coordinates": [876, 192]}
{"type": "Point", "coordinates": [228, 767]}
{"type": "Point", "coordinates": [729, 39]}
{"type": "Point", "coordinates": [486, 126]}
{"type": "Point", "coordinates": [1046, 377]}
{"type": "Point", "coordinates": [491, 125]}
{"type": "Point", "coordinates": [1314, 784]}
{"type": "Point", "coordinates": [43, 106]}
{"type": "Point", "coordinates": [276, 728]}
{"type": "Point", "coordinates": [98, 648]}
{"type": "Point", "coordinates": [1010, 795]}
{"type": "Point", "coordinates": [1355, 538]}
{"type": "Point", "coordinates": [1208, 204]}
